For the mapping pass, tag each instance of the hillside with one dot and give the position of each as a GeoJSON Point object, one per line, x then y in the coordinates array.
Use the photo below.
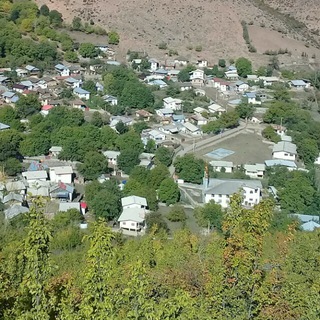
{"type": "Point", "coordinates": [213, 24]}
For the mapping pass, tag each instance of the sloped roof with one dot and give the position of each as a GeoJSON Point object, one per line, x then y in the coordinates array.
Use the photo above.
{"type": "Point", "coordinates": [15, 186]}
{"type": "Point", "coordinates": [62, 170]}
{"type": "Point", "coordinates": [4, 126]}
{"type": "Point", "coordinates": [133, 214]}
{"type": "Point", "coordinates": [80, 91]}
{"type": "Point", "coordinates": [65, 206]}
{"type": "Point", "coordinates": [218, 163]}
{"type": "Point", "coordinates": [255, 167]}
{"type": "Point", "coordinates": [310, 226]}
{"type": "Point", "coordinates": [12, 197]}
{"type": "Point", "coordinates": [230, 186]}
{"type": "Point", "coordinates": [35, 175]}
{"type": "Point", "coordinates": [276, 162]}
{"type": "Point", "coordinates": [285, 146]}
{"type": "Point", "coordinates": [126, 201]}
{"type": "Point", "coordinates": [14, 211]}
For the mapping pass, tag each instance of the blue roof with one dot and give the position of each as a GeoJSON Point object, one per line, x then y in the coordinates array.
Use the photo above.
{"type": "Point", "coordinates": [4, 126]}
{"type": "Point", "coordinates": [298, 83]}
{"type": "Point", "coordinates": [8, 94]}
{"type": "Point", "coordinates": [250, 95]}
{"type": "Point", "coordinates": [310, 226]}
{"type": "Point", "coordinates": [14, 99]}
{"type": "Point", "coordinates": [161, 71]}
{"type": "Point", "coordinates": [158, 82]}
{"type": "Point", "coordinates": [232, 68]}
{"type": "Point", "coordinates": [81, 91]}
{"type": "Point", "coordinates": [239, 83]}
{"type": "Point", "coordinates": [305, 217]}
{"type": "Point", "coordinates": [71, 80]}
{"type": "Point", "coordinates": [276, 162]}
{"type": "Point", "coordinates": [60, 66]}
{"type": "Point", "coordinates": [36, 166]}
{"type": "Point", "coordinates": [31, 68]}
{"type": "Point", "coordinates": [177, 117]}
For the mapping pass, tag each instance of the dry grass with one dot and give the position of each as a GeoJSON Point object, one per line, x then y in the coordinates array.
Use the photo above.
{"type": "Point", "coordinates": [213, 24]}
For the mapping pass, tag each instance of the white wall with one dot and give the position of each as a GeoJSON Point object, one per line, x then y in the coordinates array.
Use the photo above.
{"type": "Point", "coordinates": [65, 178]}
{"type": "Point", "coordinates": [284, 156]}
{"type": "Point", "coordinates": [132, 225]}
{"type": "Point", "coordinates": [132, 205]}
{"type": "Point", "coordinates": [218, 169]}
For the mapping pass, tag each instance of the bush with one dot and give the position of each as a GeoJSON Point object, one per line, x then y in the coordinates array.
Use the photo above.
{"type": "Point", "coordinates": [177, 214]}
{"type": "Point", "coordinates": [155, 220]}
{"type": "Point", "coordinates": [163, 46]}
{"type": "Point", "coordinates": [198, 48]}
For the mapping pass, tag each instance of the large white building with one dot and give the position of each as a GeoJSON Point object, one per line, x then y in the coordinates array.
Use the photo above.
{"type": "Point", "coordinates": [220, 191]}
{"type": "Point", "coordinates": [61, 174]}
{"type": "Point", "coordinates": [172, 103]}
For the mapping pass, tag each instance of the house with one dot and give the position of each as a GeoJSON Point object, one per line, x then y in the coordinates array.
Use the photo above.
{"type": "Point", "coordinates": [269, 81]}
{"type": "Point", "coordinates": [197, 77]}
{"type": "Point", "coordinates": [199, 92]}
{"type": "Point", "coordinates": [132, 219]}
{"type": "Point", "coordinates": [164, 112]}
{"type": "Point", "coordinates": [290, 165]}
{"type": "Point", "coordinates": [181, 61]}
{"type": "Point", "coordinates": [116, 119]}
{"type": "Point", "coordinates": [39, 188]}
{"type": "Point", "coordinates": [99, 87]}
{"type": "Point", "coordinates": [134, 202]}
{"type": "Point", "coordinates": [279, 129]}
{"type": "Point", "coordinates": [178, 118]}
{"type": "Point", "coordinates": [21, 72]}
{"type": "Point", "coordinates": [252, 98]}
{"type": "Point", "coordinates": [305, 217]}
{"type": "Point", "coordinates": [65, 206]}
{"type": "Point", "coordinates": [192, 129]}
{"type": "Point", "coordinates": [32, 176]}
{"type": "Point", "coordinates": [32, 70]}
{"type": "Point", "coordinates": [158, 82]}
{"type": "Point", "coordinates": [310, 226]}
{"type": "Point", "coordinates": [16, 186]}
{"type": "Point", "coordinates": [73, 83]}
{"type": "Point", "coordinates": [4, 126]}
{"type": "Point", "coordinates": [17, 87]}
{"type": "Point", "coordinates": [220, 166]}
{"type": "Point", "coordinates": [284, 150]}
{"type": "Point", "coordinates": [286, 138]}
{"type": "Point", "coordinates": [110, 99]}
{"type": "Point", "coordinates": [61, 174]}
{"type": "Point", "coordinates": [299, 84]}
{"type": "Point", "coordinates": [55, 151]}
{"type": "Point", "coordinates": [200, 111]}
{"type": "Point", "coordinates": [102, 47]}
{"type": "Point", "coordinates": [201, 63]}
{"type": "Point", "coordinates": [252, 77]}
{"type": "Point", "coordinates": [153, 134]}
{"type": "Point", "coordinates": [12, 198]}
{"type": "Point", "coordinates": [232, 68]}
{"type": "Point", "coordinates": [184, 86]}
{"type": "Point", "coordinates": [172, 103]}
{"type": "Point", "coordinates": [173, 75]}
{"type": "Point", "coordinates": [216, 109]}
{"type": "Point", "coordinates": [143, 114]}
{"type": "Point", "coordinates": [37, 166]}
{"type": "Point", "coordinates": [220, 191]}
{"type": "Point", "coordinates": [8, 96]}
{"type": "Point", "coordinates": [231, 75]}
{"type": "Point", "coordinates": [241, 86]}
{"type": "Point", "coordinates": [14, 211]}
{"type": "Point", "coordinates": [46, 109]}
{"type": "Point", "coordinates": [112, 156]}
{"type": "Point", "coordinates": [62, 70]}
{"type": "Point", "coordinates": [79, 104]}
{"type": "Point", "coordinates": [170, 129]}
{"type": "Point", "coordinates": [255, 170]}
{"type": "Point", "coordinates": [198, 120]}
{"type": "Point", "coordinates": [221, 84]}
{"type": "Point", "coordinates": [161, 72]}
{"type": "Point", "coordinates": [146, 160]}
{"type": "Point", "coordinates": [62, 191]}
{"type": "Point", "coordinates": [154, 64]}
{"type": "Point", "coordinates": [81, 93]}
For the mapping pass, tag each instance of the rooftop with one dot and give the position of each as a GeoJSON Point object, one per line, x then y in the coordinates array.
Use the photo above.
{"type": "Point", "coordinates": [133, 214]}
{"type": "Point", "coordinates": [126, 201]}
{"type": "Point", "coordinates": [285, 146]}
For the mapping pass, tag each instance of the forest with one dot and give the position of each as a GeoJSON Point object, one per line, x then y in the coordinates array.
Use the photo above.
{"type": "Point", "coordinates": [52, 269]}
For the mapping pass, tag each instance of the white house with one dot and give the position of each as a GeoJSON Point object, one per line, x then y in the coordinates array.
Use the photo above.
{"type": "Point", "coordinates": [62, 70]}
{"type": "Point", "coordinates": [114, 120]}
{"type": "Point", "coordinates": [154, 64]}
{"type": "Point", "coordinates": [112, 156]}
{"type": "Point", "coordinates": [55, 150]}
{"type": "Point", "coordinates": [199, 110]}
{"type": "Point", "coordinates": [220, 191]}
{"type": "Point", "coordinates": [255, 170]}
{"type": "Point", "coordinates": [32, 176]}
{"type": "Point", "coordinates": [217, 109]}
{"type": "Point", "coordinates": [290, 165]}
{"type": "Point", "coordinates": [81, 93]}
{"type": "Point", "coordinates": [192, 129]}
{"type": "Point", "coordinates": [61, 174]}
{"type": "Point", "coordinates": [73, 83]}
{"type": "Point", "coordinates": [231, 75]}
{"type": "Point", "coordinates": [284, 150]}
{"type": "Point", "coordinates": [171, 103]}
{"type": "Point", "coordinates": [184, 86]}
{"type": "Point", "coordinates": [299, 84]}
{"type": "Point", "coordinates": [111, 99]}
{"type": "Point", "coordinates": [132, 219]}
{"type": "Point", "coordinates": [164, 112]}
{"type": "Point", "coordinates": [219, 165]}
{"type": "Point", "coordinates": [198, 120]}
{"type": "Point", "coordinates": [202, 63]}
{"type": "Point", "coordinates": [134, 202]}
{"type": "Point", "coordinates": [241, 86]}
{"type": "Point", "coordinates": [280, 130]}
{"type": "Point", "coordinates": [155, 135]}
{"type": "Point", "coordinates": [221, 84]}
{"type": "Point", "coordinates": [197, 77]}
{"type": "Point", "coordinates": [268, 81]}
{"type": "Point", "coordinates": [252, 98]}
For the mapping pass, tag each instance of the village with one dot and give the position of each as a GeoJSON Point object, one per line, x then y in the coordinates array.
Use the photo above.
{"type": "Point", "coordinates": [181, 122]}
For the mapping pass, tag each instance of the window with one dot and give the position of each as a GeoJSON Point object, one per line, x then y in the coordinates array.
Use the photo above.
{"type": "Point", "coordinates": [251, 191]}
{"type": "Point", "coordinates": [250, 199]}
{"type": "Point", "coordinates": [256, 190]}
{"type": "Point", "coordinates": [124, 222]}
{"type": "Point", "coordinates": [133, 224]}
{"type": "Point", "coordinates": [220, 195]}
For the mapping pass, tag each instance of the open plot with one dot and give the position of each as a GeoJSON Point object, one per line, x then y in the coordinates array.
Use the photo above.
{"type": "Point", "coordinates": [219, 153]}
{"type": "Point", "coordinates": [247, 147]}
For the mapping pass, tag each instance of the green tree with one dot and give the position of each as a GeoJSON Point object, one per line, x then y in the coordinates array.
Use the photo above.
{"type": "Point", "coordinates": [128, 159]}
{"type": "Point", "coordinates": [88, 50]}
{"type": "Point", "coordinates": [28, 105]}
{"type": "Point", "coordinates": [108, 138]}
{"type": "Point", "coordinates": [229, 119]}
{"type": "Point", "coordinates": [156, 220]}
{"type": "Point", "coordinates": [35, 145]}
{"type": "Point", "coordinates": [169, 191]}
{"type": "Point", "coordinates": [244, 67]}
{"type": "Point", "coordinates": [270, 134]}
{"type": "Point", "coordinates": [121, 127]}
{"type": "Point", "coordinates": [67, 218]}
{"type": "Point", "coordinates": [55, 18]}
{"type": "Point", "coordinates": [11, 166]}
{"type": "Point", "coordinates": [77, 24]}
{"type": "Point", "coordinates": [90, 86]}
{"type": "Point", "coordinates": [93, 166]}
{"type": "Point", "coordinates": [97, 120]}
{"type": "Point", "coordinates": [209, 215]}
{"type": "Point", "coordinates": [222, 63]}
{"type": "Point", "coordinates": [177, 214]}
{"type": "Point", "coordinates": [189, 168]}
{"type": "Point", "coordinates": [140, 126]}
{"type": "Point", "coordinates": [308, 150]}
{"type": "Point", "coordinates": [245, 111]}
{"type": "Point", "coordinates": [164, 155]}
{"type": "Point", "coordinates": [151, 146]}
{"type": "Point", "coordinates": [136, 95]}
{"type": "Point", "coordinates": [71, 56]}
{"type": "Point", "coordinates": [36, 266]}
{"type": "Point", "coordinates": [129, 140]}
{"type": "Point", "coordinates": [9, 115]}
{"type": "Point", "coordinates": [113, 37]}
{"type": "Point", "coordinates": [184, 74]}
{"type": "Point", "coordinates": [44, 10]}
{"type": "Point", "coordinates": [10, 142]}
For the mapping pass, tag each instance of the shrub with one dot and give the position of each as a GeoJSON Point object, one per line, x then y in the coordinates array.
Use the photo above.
{"type": "Point", "coordinates": [177, 214]}
{"type": "Point", "coordinates": [198, 48]}
{"type": "Point", "coordinates": [163, 46]}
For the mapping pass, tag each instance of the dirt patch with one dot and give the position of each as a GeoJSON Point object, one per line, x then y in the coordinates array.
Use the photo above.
{"type": "Point", "coordinates": [265, 39]}
{"type": "Point", "coordinates": [248, 148]}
